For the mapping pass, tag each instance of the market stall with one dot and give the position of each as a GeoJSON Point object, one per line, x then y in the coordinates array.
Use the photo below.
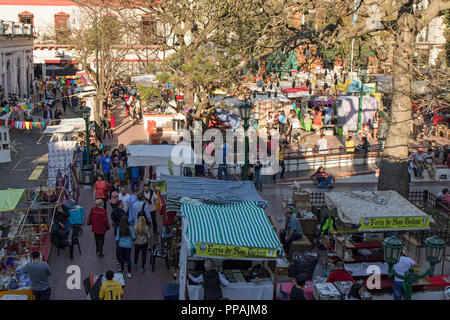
{"type": "Point", "coordinates": [347, 109]}
{"type": "Point", "coordinates": [266, 104]}
{"type": "Point", "coordinates": [363, 219]}
{"type": "Point", "coordinates": [239, 239]}
{"type": "Point", "coordinates": [26, 221]}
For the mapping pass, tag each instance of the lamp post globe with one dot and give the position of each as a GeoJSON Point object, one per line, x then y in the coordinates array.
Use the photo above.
{"type": "Point", "coordinates": [434, 250]}
{"type": "Point", "coordinates": [392, 250]}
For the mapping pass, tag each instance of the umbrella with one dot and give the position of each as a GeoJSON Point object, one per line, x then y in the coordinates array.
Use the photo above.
{"type": "Point", "coordinates": [53, 68]}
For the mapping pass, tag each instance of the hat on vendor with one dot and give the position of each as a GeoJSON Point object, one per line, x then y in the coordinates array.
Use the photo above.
{"type": "Point", "coordinates": [114, 197]}
{"type": "Point", "coordinates": [209, 265]}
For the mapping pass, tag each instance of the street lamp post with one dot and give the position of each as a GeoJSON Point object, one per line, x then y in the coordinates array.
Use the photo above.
{"type": "Point", "coordinates": [86, 116]}
{"type": "Point", "coordinates": [392, 249]}
{"type": "Point", "coordinates": [362, 73]}
{"type": "Point", "coordinates": [244, 110]}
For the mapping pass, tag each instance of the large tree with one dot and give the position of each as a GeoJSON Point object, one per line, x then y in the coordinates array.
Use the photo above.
{"type": "Point", "coordinates": [387, 25]}
{"type": "Point", "coordinates": [209, 44]}
{"type": "Point", "coordinates": [101, 43]}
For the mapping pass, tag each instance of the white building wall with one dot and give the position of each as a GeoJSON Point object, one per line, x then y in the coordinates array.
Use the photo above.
{"type": "Point", "coordinates": [16, 66]}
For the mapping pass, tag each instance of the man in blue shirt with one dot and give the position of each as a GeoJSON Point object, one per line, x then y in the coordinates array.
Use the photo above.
{"type": "Point", "coordinates": [132, 201]}
{"type": "Point", "coordinates": [135, 178]}
{"type": "Point", "coordinates": [223, 167]}
{"type": "Point", "coordinates": [292, 232]}
{"type": "Point", "coordinates": [283, 122]}
{"type": "Point", "coordinates": [105, 166]}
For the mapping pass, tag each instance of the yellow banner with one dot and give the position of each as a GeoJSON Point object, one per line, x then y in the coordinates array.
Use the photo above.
{"type": "Point", "coordinates": [395, 223]}
{"type": "Point", "coordinates": [233, 252]}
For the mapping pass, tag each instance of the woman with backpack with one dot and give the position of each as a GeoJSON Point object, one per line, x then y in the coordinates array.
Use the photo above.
{"type": "Point", "coordinates": [125, 237]}
{"type": "Point", "coordinates": [141, 245]}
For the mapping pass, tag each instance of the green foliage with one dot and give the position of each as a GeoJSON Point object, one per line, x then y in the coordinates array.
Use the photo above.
{"type": "Point", "coordinates": [147, 93]}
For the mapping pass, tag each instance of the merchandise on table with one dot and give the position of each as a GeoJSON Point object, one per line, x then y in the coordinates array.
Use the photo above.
{"type": "Point", "coordinates": [326, 291]}
{"type": "Point", "coordinates": [343, 287]}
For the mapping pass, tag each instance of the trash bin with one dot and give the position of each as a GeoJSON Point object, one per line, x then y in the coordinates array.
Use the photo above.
{"type": "Point", "coordinates": [87, 174]}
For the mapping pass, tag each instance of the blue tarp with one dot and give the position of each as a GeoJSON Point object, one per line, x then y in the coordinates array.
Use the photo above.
{"type": "Point", "coordinates": [211, 190]}
{"type": "Point", "coordinates": [355, 86]}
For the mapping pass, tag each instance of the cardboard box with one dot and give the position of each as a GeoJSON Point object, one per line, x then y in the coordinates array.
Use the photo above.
{"type": "Point", "coordinates": [303, 206]}
{"type": "Point", "coordinates": [309, 226]}
{"type": "Point", "coordinates": [301, 245]}
{"type": "Point", "coordinates": [302, 196]}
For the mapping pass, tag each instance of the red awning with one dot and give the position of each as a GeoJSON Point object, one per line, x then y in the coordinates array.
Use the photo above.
{"type": "Point", "coordinates": [300, 89]}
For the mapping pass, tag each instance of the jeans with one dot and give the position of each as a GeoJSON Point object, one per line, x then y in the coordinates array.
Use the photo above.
{"type": "Point", "coordinates": [325, 183]}
{"type": "Point", "coordinates": [327, 119]}
{"type": "Point", "coordinates": [287, 242]}
{"type": "Point", "coordinates": [397, 290]}
{"type": "Point", "coordinates": [117, 251]}
{"type": "Point", "coordinates": [107, 175]}
{"type": "Point", "coordinates": [140, 248]}
{"type": "Point", "coordinates": [42, 294]}
{"type": "Point", "coordinates": [135, 182]}
{"type": "Point", "coordinates": [431, 168]}
{"type": "Point", "coordinates": [258, 181]}
{"type": "Point", "coordinates": [155, 226]}
{"type": "Point", "coordinates": [99, 241]}
{"type": "Point", "coordinates": [125, 256]}
{"type": "Point", "coordinates": [223, 169]}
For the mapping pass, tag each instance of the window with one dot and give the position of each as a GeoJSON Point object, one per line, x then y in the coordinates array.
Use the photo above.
{"type": "Point", "coordinates": [26, 17]}
{"type": "Point", "coordinates": [61, 26]}
{"type": "Point", "coordinates": [148, 30]}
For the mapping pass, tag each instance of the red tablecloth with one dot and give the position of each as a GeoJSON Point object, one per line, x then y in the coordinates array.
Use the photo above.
{"type": "Point", "coordinates": [438, 281]}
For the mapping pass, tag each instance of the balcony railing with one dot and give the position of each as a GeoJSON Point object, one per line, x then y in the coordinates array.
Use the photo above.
{"type": "Point", "coordinates": [16, 29]}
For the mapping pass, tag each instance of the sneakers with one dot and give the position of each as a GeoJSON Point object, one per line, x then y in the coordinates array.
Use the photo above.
{"type": "Point", "coordinates": [133, 265]}
{"type": "Point", "coordinates": [101, 255]}
{"type": "Point", "coordinates": [129, 275]}
{"type": "Point", "coordinates": [142, 270]}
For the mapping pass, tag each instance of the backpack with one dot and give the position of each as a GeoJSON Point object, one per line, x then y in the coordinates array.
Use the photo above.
{"type": "Point", "coordinates": [142, 213]}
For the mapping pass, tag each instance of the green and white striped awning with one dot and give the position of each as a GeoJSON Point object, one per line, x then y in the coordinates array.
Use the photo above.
{"type": "Point", "coordinates": [241, 225]}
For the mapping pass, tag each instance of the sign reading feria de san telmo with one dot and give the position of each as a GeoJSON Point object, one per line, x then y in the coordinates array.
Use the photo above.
{"type": "Point", "coordinates": [236, 252]}
{"type": "Point", "coordinates": [394, 223]}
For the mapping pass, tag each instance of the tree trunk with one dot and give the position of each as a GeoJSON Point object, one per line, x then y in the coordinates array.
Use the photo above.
{"type": "Point", "coordinates": [394, 162]}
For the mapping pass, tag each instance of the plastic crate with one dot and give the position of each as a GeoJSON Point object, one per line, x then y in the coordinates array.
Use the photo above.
{"type": "Point", "coordinates": [170, 291]}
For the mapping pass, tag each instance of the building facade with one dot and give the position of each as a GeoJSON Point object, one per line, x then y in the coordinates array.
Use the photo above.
{"type": "Point", "coordinates": [16, 60]}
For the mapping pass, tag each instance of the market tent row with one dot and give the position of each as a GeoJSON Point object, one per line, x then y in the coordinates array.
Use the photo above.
{"type": "Point", "coordinates": [238, 231]}
{"type": "Point", "coordinates": [164, 157]}
{"type": "Point", "coordinates": [211, 190]}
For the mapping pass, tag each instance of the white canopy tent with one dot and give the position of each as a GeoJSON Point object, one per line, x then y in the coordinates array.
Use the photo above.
{"type": "Point", "coordinates": [355, 205]}
{"type": "Point", "coordinates": [66, 126]}
{"type": "Point", "coordinates": [159, 155]}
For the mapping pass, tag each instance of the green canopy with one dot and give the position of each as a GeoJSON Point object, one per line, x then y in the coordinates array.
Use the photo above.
{"type": "Point", "coordinates": [9, 199]}
{"type": "Point", "coordinates": [236, 231]}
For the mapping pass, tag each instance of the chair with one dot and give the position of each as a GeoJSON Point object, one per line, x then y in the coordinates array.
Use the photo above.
{"type": "Point", "coordinates": [76, 233]}
{"type": "Point", "coordinates": [158, 253]}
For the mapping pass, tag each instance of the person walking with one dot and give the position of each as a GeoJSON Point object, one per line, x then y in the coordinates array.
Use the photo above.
{"type": "Point", "coordinates": [100, 225]}
{"type": "Point", "coordinates": [403, 265]}
{"type": "Point", "coordinates": [116, 216]}
{"type": "Point", "coordinates": [110, 290]}
{"type": "Point", "coordinates": [101, 188]}
{"type": "Point", "coordinates": [142, 236]}
{"type": "Point", "coordinates": [125, 236]}
{"type": "Point", "coordinates": [140, 208]}
{"type": "Point", "coordinates": [105, 166]}
{"type": "Point", "coordinates": [38, 271]}
{"type": "Point", "coordinates": [429, 164]}
{"type": "Point", "coordinates": [258, 177]}
{"type": "Point", "coordinates": [150, 198]}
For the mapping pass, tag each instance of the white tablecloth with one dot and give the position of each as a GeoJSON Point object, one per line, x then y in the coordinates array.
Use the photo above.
{"type": "Point", "coordinates": [237, 291]}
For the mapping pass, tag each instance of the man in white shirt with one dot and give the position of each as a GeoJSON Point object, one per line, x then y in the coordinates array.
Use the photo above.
{"type": "Point", "coordinates": [269, 120]}
{"type": "Point", "coordinates": [137, 208]}
{"type": "Point", "coordinates": [295, 127]}
{"type": "Point", "coordinates": [150, 197]}
{"type": "Point", "coordinates": [322, 145]}
{"type": "Point", "coordinates": [429, 165]}
{"type": "Point", "coordinates": [401, 267]}
{"type": "Point", "coordinates": [125, 198]}
{"type": "Point", "coordinates": [419, 163]}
